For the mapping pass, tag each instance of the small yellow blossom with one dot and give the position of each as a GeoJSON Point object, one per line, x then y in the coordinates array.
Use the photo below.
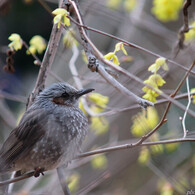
{"type": "Point", "coordinates": [144, 156]}
{"type": "Point", "coordinates": [167, 10]}
{"type": "Point", "coordinates": [99, 99]}
{"type": "Point", "coordinates": [99, 162]}
{"type": "Point", "coordinates": [16, 43]}
{"type": "Point", "coordinates": [99, 125]}
{"type": "Point", "coordinates": [191, 33]}
{"type": "Point", "coordinates": [68, 39]}
{"type": "Point", "coordinates": [171, 147]}
{"type": "Point", "coordinates": [167, 189]}
{"type": "Point", "coordinates": [73, 182]}
{"type": "Point", "coordinates": [113, 57]}
{"type": "Point", "coordinates": [154, 81]}
{"type": "Point", "coordinates": [144, 121]}
{"type": "Point", "coordinates": [160, 62]}
{"type": "Point", "coordinates": [120, 46]}
{"type": "Point", "coordinates": [81, 106]}
{"type": "Point", "coordinates": [114, 4]}
{"type": "Point", "coordinates": [193, 91]}
{"type": "Point", "coordinates": [129, 5]}
{"type": "Point", "coordinates": [37, 44]}
{"type": "Point", "coordinates": [61, 17]}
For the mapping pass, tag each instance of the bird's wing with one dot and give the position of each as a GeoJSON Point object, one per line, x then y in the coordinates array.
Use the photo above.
{"type": "Point", "coordinates": [22, 138]}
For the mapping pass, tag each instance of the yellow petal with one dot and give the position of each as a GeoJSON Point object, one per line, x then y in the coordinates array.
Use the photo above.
{"type": "Point", "coordinates": [109, 55]}
{"type": "Point", "coordinates": [99, 162]}
{"type": "Point", "coordinates": [99, 99]}
{"type": "Point", "coordinates": [115, 60]}
{"type": "Point", "coordinates": [120, 46]}
{"type": "Point", "coordinates": [160, 61]}
{"type": "Point", "coordinates": [60, 11]}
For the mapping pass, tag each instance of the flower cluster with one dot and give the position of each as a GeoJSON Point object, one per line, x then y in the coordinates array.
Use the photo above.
{"type": "Point", "coordinates": [16, 42]}
{"type": "Point", "coordinates": [98, 104]}
{"type": "Point", "coordinates": [61, 17]}
{"type": "Point", "coordinates": [155, 80]}
{"type": "Point", "coordinates": [144, 121]}
{"type": "Point", "coordinates": [112, 55]}
{"type": "Point", "coordinates": [37, 44]}
{"type": "Point", "coordinates": [167, 10]}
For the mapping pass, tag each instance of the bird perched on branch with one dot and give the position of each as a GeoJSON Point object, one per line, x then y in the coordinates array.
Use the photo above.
{"type": "Point", "coordinates": [49, 134]}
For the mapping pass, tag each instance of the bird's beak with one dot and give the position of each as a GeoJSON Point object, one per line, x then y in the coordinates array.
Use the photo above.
{"type": "Point", "coordinates": [83, 92]}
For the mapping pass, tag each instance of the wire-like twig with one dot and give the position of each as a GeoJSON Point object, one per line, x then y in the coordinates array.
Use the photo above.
{"type": "Point", "coordinates": [129, 146]}
{"type": "Point", "coordinates": [62, 179]}
{"type": "Point", "coordinates": [187, 107]}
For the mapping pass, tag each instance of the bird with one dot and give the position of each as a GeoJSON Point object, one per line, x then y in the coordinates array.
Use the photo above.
{"type": "Point", "coordinates": [49, 134]}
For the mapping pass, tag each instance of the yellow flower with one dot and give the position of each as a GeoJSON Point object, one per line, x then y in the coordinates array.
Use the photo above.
{"type": "Point", "coordinates": [16, 43]}
{"type": "Point", "coordinates": [129, 5]}
{"type": "Point", "coordinates": [144, 156]}
{"type": "Point", "coordinates": [73, 182]}
{"type": "Point", "coordinates": [113, 57]}
{"type": "Point", "coordinates": [99, 161]}
{"type": "Point", "coordinates": [144, 121]}
{"type": "Point", "coordinates": [99, 99]}
{"type": "Point", "coordinates": [191, 33]}
{"type": "Point", "coordinates": [61, 17]}
{"type": "Point", "coordinates": [157, 149]}
{"type": "Point", "coordinates": [68, 39]}
{"type": "Point", "coordinates": [166, 189]}
{"type": "Point", "coordinates": [171, 147]}
{"type": "Point", "coordinates": [152, 117]}
{"type": "Point", "coordinates": [120, 46]}
{"type": "Point", "coordinates": [113, 4]}
{"type": "Point", "coordinates": [81, 106]}
{"type": "Point", "coordinates": [37, 44]}
{"type": "Point", "coordinates": [160, 62]}
{"type": "Point", "coordinates": [84, 57]}
{"type": "Point", "coordinates": [167, 10]}
{"type": "Point", "coordinates": [99, 125]}
{"type": "Point", "coordinates": [193, 91]}
{"type": "Point", "coordinates": [154, 81]}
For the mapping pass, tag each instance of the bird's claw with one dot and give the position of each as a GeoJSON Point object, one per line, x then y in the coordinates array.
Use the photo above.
{"type": "Point", "coordinates": [37, 172]}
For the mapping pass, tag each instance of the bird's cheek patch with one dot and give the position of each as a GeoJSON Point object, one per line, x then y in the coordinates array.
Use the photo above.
{"type": "Point", "coordinates": [58, 100]}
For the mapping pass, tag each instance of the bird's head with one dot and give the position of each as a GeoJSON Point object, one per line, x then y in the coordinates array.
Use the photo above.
{"type": "Point", "coordinates": [63, 94]}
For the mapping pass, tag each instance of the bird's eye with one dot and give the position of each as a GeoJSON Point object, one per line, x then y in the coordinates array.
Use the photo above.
{"type": "Point", "coordinates": [65, 95]}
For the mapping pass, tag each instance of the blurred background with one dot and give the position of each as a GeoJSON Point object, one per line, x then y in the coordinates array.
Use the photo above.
{"type": "Point", "coordinates": [162, 169]}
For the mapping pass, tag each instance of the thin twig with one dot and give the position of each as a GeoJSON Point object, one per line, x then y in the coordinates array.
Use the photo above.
{"type": "Point", "coordinates": [62, 179]}
{"type": "Point", "coordinates": [128, 146]}
{"type": "Point", "coordinates": [38, 61]}
{"type": "Point", "coordinates": [25, 176]}
{"type": "Point", "coordinates": [9, 96]}
{"type": "Point", "coordinates": [187, 107]}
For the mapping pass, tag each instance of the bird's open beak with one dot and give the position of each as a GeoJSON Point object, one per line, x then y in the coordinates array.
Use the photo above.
{"type": "Point", "coordinates": [83, 92]}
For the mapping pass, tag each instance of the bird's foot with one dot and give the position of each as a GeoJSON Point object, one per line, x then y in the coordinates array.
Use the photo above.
{"type": "Point", "coordinates": [37, 172]}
